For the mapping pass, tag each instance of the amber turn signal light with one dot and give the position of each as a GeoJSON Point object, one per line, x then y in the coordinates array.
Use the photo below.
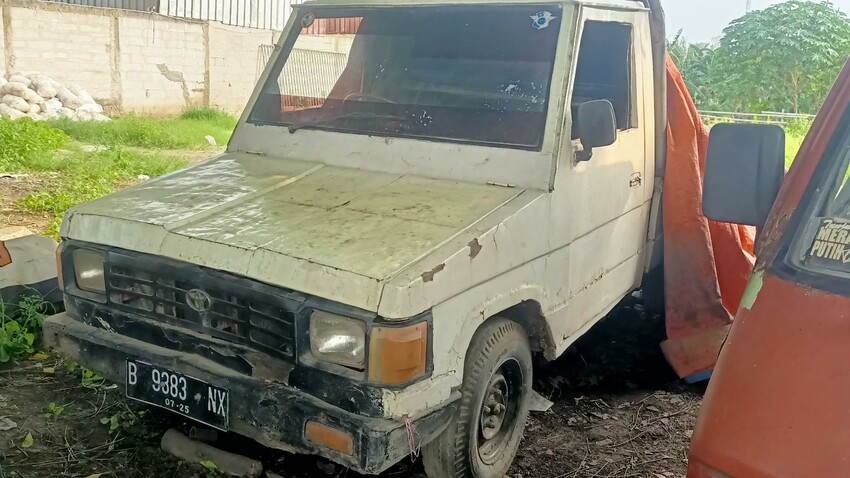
{"type": "Point", "coordinates": [329, 437]}
{"type": "Point", "coordinates": [398, 354]}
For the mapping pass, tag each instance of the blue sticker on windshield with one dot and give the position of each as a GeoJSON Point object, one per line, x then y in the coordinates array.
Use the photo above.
{"type": "Point", "coordinates": [540, 20]}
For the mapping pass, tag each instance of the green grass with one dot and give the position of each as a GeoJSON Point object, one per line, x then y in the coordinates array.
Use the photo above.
{"type": "Point", "coordinates": [24, 141]}
{"type": "Point", "coordinates": [795, 133]}
{"type": "Point", "coordinates": [792, 146]}
{"type": "Point", "coordinates": [85, 174]}
{"type": "Point", "coordinates": [188, 131]}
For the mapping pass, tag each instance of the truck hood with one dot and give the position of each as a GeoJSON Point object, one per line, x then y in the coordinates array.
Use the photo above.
{"type": "Point", "coordinates": [333, 232]}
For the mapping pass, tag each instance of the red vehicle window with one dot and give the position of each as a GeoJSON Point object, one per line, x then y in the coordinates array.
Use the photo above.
{"type": "Point", "coordinates": [822, 244]}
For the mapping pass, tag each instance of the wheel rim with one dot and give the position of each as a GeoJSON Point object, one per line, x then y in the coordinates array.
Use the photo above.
{"type": "Point", "coordinates": [499, 411]}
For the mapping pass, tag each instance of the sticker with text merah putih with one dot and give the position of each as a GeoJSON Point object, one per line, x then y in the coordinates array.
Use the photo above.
{"type": "Point", "coordinates": [831, 245]}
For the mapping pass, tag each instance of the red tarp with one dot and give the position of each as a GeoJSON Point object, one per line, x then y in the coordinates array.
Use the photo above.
{"type": "Point", "coordinates": [706, 263]}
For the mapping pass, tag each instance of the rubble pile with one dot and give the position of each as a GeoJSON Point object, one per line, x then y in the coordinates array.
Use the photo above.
{"type": "Point", "coordinates": [39, 97]}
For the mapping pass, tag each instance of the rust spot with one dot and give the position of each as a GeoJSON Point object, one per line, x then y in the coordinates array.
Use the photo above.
{"type": "Point", "coordinates": [5, 257]}
{"type": "Point", "coordinates": [429, 276]}
{"type": "Point", "coordinates": [474, 248]}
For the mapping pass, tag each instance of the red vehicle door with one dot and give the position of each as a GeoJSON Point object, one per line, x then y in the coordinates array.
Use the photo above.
{"type": "Point", "coordinates": [778, 404]}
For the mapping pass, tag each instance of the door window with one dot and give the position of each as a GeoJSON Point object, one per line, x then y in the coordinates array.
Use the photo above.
{"type": "Point", "coordinates": [604, 70]}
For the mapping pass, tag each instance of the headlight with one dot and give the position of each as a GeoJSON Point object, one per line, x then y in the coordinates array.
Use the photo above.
{"type": "Point", "coordinates": [338, 339]}
{"type": "Point", "coordinates": [88, 270]}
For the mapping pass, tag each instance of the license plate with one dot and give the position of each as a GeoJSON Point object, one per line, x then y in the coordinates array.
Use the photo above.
{"type": "Point", "coordinates": [179, 393]}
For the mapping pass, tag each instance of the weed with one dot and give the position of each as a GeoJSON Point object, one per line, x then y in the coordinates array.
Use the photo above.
{"type": "Point", "coordinates": [90, 380]}
{"type": "Point", "coordinates": [20, 326]}
{"type": "Point", "coordinates": [23, 140]}
{"type": "Point", "coordinates": [88, 175]}
{"type": "Point", "coordinates": [189, 131]}
{"type": "Point", "coordinates": [121, 420]}
{"type": "Point", "coordinates": [210, 115]}
{"type": "Point", "coordinates": [71, 365]}
{"type": "Point", "coordinates": [211, 468]}
{"type": "Point", "coordinates": [795, 133]}
{"type": "Point", "coordinates": [53, 411]}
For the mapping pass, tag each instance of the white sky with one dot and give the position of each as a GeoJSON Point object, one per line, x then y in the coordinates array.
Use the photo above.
{"type": "Point", "coordinates": [704, 20]}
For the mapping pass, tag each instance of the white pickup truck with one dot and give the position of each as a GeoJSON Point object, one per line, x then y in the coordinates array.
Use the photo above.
{"type": "Point", "coordinates": [419, 197]}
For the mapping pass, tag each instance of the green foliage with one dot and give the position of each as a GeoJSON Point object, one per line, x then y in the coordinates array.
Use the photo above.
{"type": "Point", "coordinates": [20, 326]}
{"type": "Point", "coordinates": [84, 175]}
{"type": "Point", "coordinates": [88, 175]}
{"type": "Point", "coordinates": [121, 420]}
{"type": "Point", "coordinates": [792, 147]}
{"type": "Point", "coordinates": [71, 365]}
{"type": "Point", "coordinates": [54, 411]}
{"type": "Point", "coordinates": [90, 380]}
{"type": "Point", "coordinates": [782, 58]}
{"type": "Point", "coordinates": [24, 139]}
{"type": "Point", "coordinates": [188, 131]}
{"type": "Point", "coordinates": [211, 469]}
{"type": "Point", "coordinates": [696, 62]}
{"type": "Point", "coordinates": [210, 115]}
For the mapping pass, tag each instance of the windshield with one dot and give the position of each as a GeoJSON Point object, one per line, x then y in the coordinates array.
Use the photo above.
{"type": "Point", "coordinates": [830, 226]}
{"type": "Point", "coordinates": [477, 74]}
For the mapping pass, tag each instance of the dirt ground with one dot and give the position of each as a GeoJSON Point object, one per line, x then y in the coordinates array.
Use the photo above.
{"type": "Point", "coordinates": [618, 412]}
{"type": "Point", "coordinates": [13, 188]}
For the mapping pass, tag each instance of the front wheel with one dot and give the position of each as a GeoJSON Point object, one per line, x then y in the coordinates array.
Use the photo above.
{"type": "Point", "coordinates": [483, 437]}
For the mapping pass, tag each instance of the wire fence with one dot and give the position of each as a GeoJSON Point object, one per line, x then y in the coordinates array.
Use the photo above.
{"type": "Point", "coordinates": [264, 14]}
{"type": "Point", "coordinates": [138, 5]}
{"type": "Point", "coordinates": [767, 117]}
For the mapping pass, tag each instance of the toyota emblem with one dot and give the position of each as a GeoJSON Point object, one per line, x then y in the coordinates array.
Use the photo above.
{"type": "Point", "coordinates": [198, 300]}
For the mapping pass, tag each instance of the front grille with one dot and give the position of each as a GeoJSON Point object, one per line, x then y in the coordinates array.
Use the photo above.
{"type": "Point", "coordinates": [225, 306]}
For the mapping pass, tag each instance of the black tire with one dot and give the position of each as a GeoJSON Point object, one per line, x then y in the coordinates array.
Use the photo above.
{"type": "Point", "coordinates": [498, 359]}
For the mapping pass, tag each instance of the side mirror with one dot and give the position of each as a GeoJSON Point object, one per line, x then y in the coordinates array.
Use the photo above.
{"type": "Point", "coordinates": [743, 172]}
{"type": "Point", "coordinates": [596, 126]}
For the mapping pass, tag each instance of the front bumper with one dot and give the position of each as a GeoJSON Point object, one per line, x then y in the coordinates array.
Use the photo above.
{"type": "Point", "coordinates": [272, 413]}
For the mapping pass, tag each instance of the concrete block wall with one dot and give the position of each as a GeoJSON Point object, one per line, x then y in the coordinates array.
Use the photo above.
{"type": "Point", "coordinates": [69, 47]}
{"type": "Point", "coordinates": [3, 58]}
{"type": "Point", "coordinates": [163, 64]}
{"type": "Point", "coordinates": [235, 64]}
{"type": "Point", "coordinates": [133, 61]}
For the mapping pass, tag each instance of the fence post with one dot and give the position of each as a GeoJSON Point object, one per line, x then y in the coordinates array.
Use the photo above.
{"type": "Point", "coordinates": [207, 80]}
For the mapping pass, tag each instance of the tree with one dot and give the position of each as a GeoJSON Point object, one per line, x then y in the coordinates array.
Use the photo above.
{"type": "Point", "coordinates": [695, 62]}
{"type": "Point", "coordinates": [784, 57]}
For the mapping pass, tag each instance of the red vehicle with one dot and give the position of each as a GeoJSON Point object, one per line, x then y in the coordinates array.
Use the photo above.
{"type": "Point", "coordinates": [778, 404]}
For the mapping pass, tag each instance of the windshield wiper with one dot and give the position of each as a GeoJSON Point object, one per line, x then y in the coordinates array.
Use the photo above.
{"type": "Point", "coordinates": [355, 115]}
